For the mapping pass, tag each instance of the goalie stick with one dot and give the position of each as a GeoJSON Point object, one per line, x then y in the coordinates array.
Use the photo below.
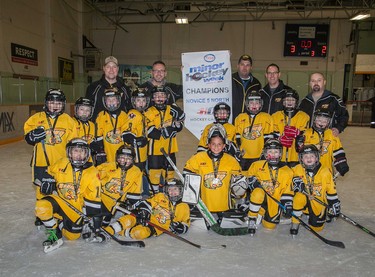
{"type": "Point", "coordinates": [125, 211]}
{"type": "Point", "coordinates": [135, 243]}
{"type": "Point", "coordinates": [344, 217]}
{"type": "Point", "coordinates": [211, 221]}
{"type": "Point", "coordinates": [339, 244]}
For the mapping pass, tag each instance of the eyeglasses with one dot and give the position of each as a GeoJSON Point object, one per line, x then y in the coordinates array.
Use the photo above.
{"type": "Point", "coordinates": [273, 73]}
{"type": "Point", "coordinates": [158, 71]}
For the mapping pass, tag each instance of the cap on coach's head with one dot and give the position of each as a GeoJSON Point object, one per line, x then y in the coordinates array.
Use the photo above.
{"type": "Point", "coordinates": [110, 59]}
{"type": "Point", "coordinates": [245, 57]}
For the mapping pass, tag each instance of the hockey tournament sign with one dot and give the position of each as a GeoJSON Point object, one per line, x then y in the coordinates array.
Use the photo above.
{"type": "Point", "coordinates": [207, 80]}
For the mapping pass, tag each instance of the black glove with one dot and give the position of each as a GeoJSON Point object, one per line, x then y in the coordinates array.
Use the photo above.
{"type": "Point", "coordinates": [335, 208]}
{"type": "Point", "coordinates": [341, 165]}
{"type": "Point", "coordinates": [35, 136]}
{"type": "Point", "coordinates": [298, 184]}
{"type": "Point", "coordinates": [168, 132]}
{"type": "Point", "coordinates": [100, 158]}
{"type": "Point", "coordinates": [141, 141]}
{"type": "Point", "coordinates": [288, 209]}
{"type": "Point", "coordinates": [143, 213]}
{"type": "Point", "coordinates": [97, 146]}
{"type": "Point", "coordinates": [48, 185]}
{"type": "Point", "coordinates": [177, 113]}
{"type": "Point", "coordinates": [129, 138]}
{"type": "Point", "coordinates": [253, 183]}
{"type": "Point", "coordinates": [178, 228]}
{"type": "Point", "coordinates": [244, 207]}
{"type": "Point", "coordinates": [299, 142]}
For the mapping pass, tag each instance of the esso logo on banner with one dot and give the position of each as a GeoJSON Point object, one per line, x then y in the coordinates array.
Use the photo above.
{"type": "Point", "coordinates": [209, 58]}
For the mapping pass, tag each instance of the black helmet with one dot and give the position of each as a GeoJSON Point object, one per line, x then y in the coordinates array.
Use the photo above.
{"type": "Point", "coordinates": [217, 130]}
{"type": "Point", "coordinates": [125, 150]}
{"type": "Point", "coordinates": [273, 144]}
{"type": "Point", "coordinates": [140, 93]}
{"type": "Point", "coordinates": [219, 116]}
{"type": "Point", "coordinates": [309, 149]}
{"type": "Point", "coordinates": [290, 93]}
{"type": "Point", "coordinates": [322, 120]}
{"type": "Point", "coordinates": [86, 103]}
{"type": "Point", "coordinates": [253, 95]}
{"type": "Point", "coordinates": [174, 183]}
{"type": "Point", "coordinates": [54, 95]}
{"type": "Point", "coordinates": [160, 104]}
{"type": "Point", "coordinates": [112, 93]}
{"type": "Point", "coordinates": [71, 151]}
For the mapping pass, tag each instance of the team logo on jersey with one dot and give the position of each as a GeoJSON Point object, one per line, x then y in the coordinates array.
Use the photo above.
{"type": "Point", "coordinates": [113, 137]}
{"type": "Point", "coordinates": [324, 149]}
{"type": "Point", "coordinates": [89, 138]}
{"type": "Point", "coordinates": [254, 133]}
{"type": "Point", "coordinates": [68, 191]}
{"type": "Point", "coordinates": [212, 182]}
{"type": "Point", "coordinates": [161, 214]}
{"type": "Point", "coordinates": [269, 187]}
{"type": "Point", "coordinates": [114, 186]}
{"type": "Point", "coordinates": [55, 137]}
{"type": "Point", "coordinates": [315, 190]}
{"type": "Point", "coordinates": [325, 106]}
{"type": "Point", "coordinates": [278, 100]}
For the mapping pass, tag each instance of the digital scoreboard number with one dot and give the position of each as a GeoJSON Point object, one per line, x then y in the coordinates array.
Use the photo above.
{"type": "Point", "coordinates": [305, 40]}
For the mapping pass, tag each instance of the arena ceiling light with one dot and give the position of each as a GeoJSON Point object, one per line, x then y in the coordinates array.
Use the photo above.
{"type": "Point", "coordinates": [181, 20]}
{"type": "Point", "coordinates": [360, 16]}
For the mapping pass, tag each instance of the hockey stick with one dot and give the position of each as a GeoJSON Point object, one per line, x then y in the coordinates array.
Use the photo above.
{"type": "Point", "coordinates": [306, 226]}
{"type": "Point", "coordinates": [45, 151]}
{"type": "Point", "coordinates": [136, 243]}
{"type": "Point", "coordinates": [125, 211]}
{"type": "Point", "coordinates": [288, 124]}
{"type": "Point", "coordinates": [346, 218]}
{"type": "Point", "coordinates": [211, 221]}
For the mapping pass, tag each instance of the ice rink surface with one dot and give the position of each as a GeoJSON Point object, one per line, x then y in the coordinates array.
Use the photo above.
{"type": "Point", "coordinates": [268, 253]}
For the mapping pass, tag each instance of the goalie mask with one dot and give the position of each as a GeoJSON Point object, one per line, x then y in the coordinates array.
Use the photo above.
{"type": "Point", "coordinates": [125, 156]}
{"type": "Point", "coordinates": [160, 97]}
{"type": "Point", "coordinates": [78, 152]}
{"type": "Point", "coordinates": [83, 109]}
{"type": "Point", "coordinates": [140, 99]}
{"type": "Point", "coordinates": [222, 112]}
{"type": "Point", "coordinates": [253, 102]}
{"type": "Point", "coordinates": [273, 151]}
{"type": "Point", "coordinates": [174, 190]}
{"type": "Point", "coordinates": [55, 101]}
{"type": "Point", "coordinates": [322, 120]}
{"type": "Point", "coordinates": [216, 147]}
{"type": "Point", "coordinates": [290, 100]}
{"type": "Point", "coordinates": [111, 100]}
{"type": "Point", "coordinates": [309, 157]}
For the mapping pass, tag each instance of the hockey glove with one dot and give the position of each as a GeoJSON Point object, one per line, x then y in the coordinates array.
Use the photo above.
{"type": "Point", "coordinates": [48, 185]}
{"type": "Point", "coordinates": [244, 207]}
{"type": "Point", "coordinates": [341, 165]}
{"type": "Point", "coordinates": [335, 208]}
{"type": "Point", "coordinates": [141, 141]}
{"type": "Point", "coordinates": [177, 113]}
{"type": "Point", "coordinates": [291, 131]}
{"type": "Point", "coordinates": [178, 228]}
{"type": "Point", "coordinates": [300, 141]}
{"type": "Point", "coordinates": [253, 183]}
{"type": "Point", "coordinates": [298, 184]}
{"type": "Point", "coordinates": [168, 132]}
{"type": "Point", "coordinates": [288, 209]}
{"type": "Point", "coordinates": [143, 213]}
{"type": "Point", "coordinates": [97, 146]}
{"type": "Point", "coordinates": [100, 158]}
{"type": "Point", "coordinates": [35, 136]}
{"type": "Point", "coordinates": [286, 141]}
{"type": "Point", "coordinates": [128, 137]}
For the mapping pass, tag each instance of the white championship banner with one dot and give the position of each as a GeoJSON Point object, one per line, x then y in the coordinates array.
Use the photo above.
{"type": "Point", "coordinates": [207, 80]}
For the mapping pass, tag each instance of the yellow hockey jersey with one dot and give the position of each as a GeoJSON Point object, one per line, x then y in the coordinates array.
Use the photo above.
{"type": "Point", "coordinates": [85, 130]}
{"type": "Point", "coordinates": [163, 212]}
{"type": "Point", "coordinates": [229, 128]}
{"type": "Point", "coordinates": [111, 129]}
{"type": "Point", "coordinates": [252, 132]}
{"type": "Point", "coordinates": [118, 184]}
{"type": "Point", "coordinates": [300, 120]}
{"type": "Point", "coordinates": [59, 131]}
{"type": "Point", "coordinates": [216, 177]}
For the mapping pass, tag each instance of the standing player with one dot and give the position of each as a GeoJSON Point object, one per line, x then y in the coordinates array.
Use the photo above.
{"type": "Point", "coordinates": [49, 132]}
{"type": "Point", "coordinates": [332, 153]}
{"type": "Point", "coordinates": [110, 127]}
{"type": "Point", "coordinates": [253, 128]}
{"type": "Point", "coordinates": [77, 184]}
{"type": "Point", "coordinates": [216, 168]}
{"type": "Point", "coordinates": [121, 181]}
{"type": "Point", "coordinates": [315, 180]}
{"type": "Point", "coordinates": [163, 123]}
{"type": "Point", "coordinates": [288, 124]}
{"type": "Point", "coordinates": [163, 209]}
{"type": "Point", "coordinates": [275, 177]}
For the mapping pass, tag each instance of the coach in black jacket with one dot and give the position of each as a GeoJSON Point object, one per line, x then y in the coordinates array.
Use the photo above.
{"type": "Point", "coordinates": [319, 97]}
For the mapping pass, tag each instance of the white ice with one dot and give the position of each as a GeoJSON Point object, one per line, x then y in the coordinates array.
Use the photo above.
{"type": "Point", "coordinates": [268, 253]}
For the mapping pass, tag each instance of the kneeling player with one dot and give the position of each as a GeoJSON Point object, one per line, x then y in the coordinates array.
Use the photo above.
{"type": "Point", "coordinates": [312, 180]}
{"type": "Point", "coordinates": [73, 187]}
{"type": "Point", "coordinates": [273, 177]}
{"type": "Point", "coordinates": [163, 209]}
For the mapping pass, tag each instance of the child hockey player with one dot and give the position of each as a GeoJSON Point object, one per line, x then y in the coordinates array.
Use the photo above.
{"type": "Point", "coordinates": [48, 131]}
{"type": "Point", "coordinates": [162, 209]}
{"type": "Point", "coordinates": [253, 128]}
{"type": "Point", "coordinates": [73, 184]}
{"type": "Point", "coordinates": [83, 109]}
{"type": "Point", "coordinates": [312, 179]}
